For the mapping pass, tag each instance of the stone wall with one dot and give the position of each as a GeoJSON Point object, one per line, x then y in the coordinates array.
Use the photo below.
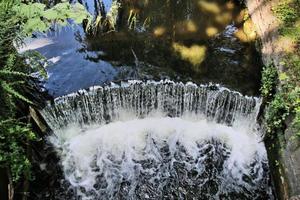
{"type": "Point", "coordinates": [286, 172]}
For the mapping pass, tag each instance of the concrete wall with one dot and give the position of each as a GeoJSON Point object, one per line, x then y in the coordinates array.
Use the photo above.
{"type": "Point", "coordinates": [286, 174]}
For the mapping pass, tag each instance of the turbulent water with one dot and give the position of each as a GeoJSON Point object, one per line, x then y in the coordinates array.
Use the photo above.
{"type": "Point", "coordinates": [159, 140]}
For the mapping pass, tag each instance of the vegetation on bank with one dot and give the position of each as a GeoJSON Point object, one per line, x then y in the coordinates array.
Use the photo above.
{"type": "Point", "coordinates": [15, 133]}
{"type": "Point", "coordinates": [21, 18]}
{"type": "Point", "coordinates": [284, 103]}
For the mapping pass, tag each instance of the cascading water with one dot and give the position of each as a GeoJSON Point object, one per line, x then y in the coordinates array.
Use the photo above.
{"type": "Point", "coordinates": [160, 140]}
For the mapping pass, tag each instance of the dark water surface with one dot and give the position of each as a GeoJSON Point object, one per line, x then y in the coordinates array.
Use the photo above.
{"type": "Point", "coordinates": [183, 40]}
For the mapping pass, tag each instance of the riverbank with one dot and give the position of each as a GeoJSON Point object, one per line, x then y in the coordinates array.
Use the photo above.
{"type": "Point", "coordinates": [283, 145]}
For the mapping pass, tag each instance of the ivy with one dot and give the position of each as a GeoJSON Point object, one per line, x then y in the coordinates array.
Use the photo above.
{"type": "Point", "coordinates": [269, 79]}
{"type": "Point", "coordinates": [276, 113]}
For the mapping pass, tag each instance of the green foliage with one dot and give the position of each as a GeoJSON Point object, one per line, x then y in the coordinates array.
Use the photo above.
{"type": "Point", "coordinates": [286, 102]}
{"type": "Point", "coordinates": [10, 79]}
{"type": "Point", "coordinates": [8, 88]}
{"type": "Point", "coordinates": [14, 134]}
{"type": "Point", "coordinates": [296, 123]}
{"type": "Point", "coordinates": [295, 104]}
{"type": "Point", "coordinates": [269, 79]}
{"type": "Point", "coordinates": [21, 18]}
{"type": "Point", "coordinates": [276, 114]}
{"type": "Point", "coordinates": [36, 18]}
{"type": "Point", "coordinates": [8, 33]}
{"type": "Point", "coordinates": [291, 32]}
{"type": "Point", "coordinates": [37, 63]}
{"type": "Point", "coordinates": [286, 11]}
{"type": "Point", "coordinates": [14, 138]}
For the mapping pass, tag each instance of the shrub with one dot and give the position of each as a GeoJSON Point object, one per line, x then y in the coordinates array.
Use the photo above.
{"type": "Point", "coordinates": [269, 79]}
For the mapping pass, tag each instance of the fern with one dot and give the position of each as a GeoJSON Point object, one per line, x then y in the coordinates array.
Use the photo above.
{"type": "Point", "coordinates": [7, 87]}
{"type": "Point", "coordinates": [37, 62]}
{"type": "Point", "coordinates": [36, 18]}
{"type": "Point", "coordinates": [13, 73]}
{"type": "Point", "coordinates": [20, 18]}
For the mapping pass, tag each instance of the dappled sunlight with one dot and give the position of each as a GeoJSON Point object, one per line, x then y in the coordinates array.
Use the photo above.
{"type": "Point", "coordinates": [140, 99]}
{"type": "Point", "coordinates": [188, 26]}
{"type": "Point", "coordinates": [191, 26]}
{"type": "Point", "coordinates": [287, 44]}
{"type": "Point", "coordinates": [209, 7]}
{"type": "Point", "coordinates": [159, 31]}
{"type": "Point", "coordinates": [249, 29]}
{"type": "Point", "coordinates": [239, 18]}
{"type": "Point", "coordinates": [240, 34]}
{"type": "Point", "coordinates": [247, 33]}
{"type": "Point", "coordinates": [230, 5]}
{"type": "Point", "coordinates": [179, 40]}
{"type": "Point", "coordinates": [224, 18]}
{"type": "Point", "coordinates": [194, 54]}
{"type": "Point", "coordinates": [211, 31]}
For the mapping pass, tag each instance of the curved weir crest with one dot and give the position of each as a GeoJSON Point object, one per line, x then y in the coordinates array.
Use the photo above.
{"type": "Point", "coordinates": [159, 140]}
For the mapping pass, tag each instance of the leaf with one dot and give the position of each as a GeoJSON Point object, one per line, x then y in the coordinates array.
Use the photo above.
{"type": "Point", "coordinates": [38, 6]}
{"type": "Point", "coordinates": [78, 13]}
{"type": "Point", "coordinates": [283, 76]}
{"type": "Point", "coordinates": [35, 24]}
{"type": "Point", "coordinates": [78, 7]}
{"type": "Point", "coordinates": [29, 10]}
{"type": "Point", "coordinates": [50, 14]}
{"type": "Point", "coordinates": [13, 73]}
{"type": "Point", "coordinates": [14, 93]}
{"type": "Point", "coordinates": [62, 6]}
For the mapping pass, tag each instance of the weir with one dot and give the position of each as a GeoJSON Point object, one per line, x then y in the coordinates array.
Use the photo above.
{"type": "Point", "coordinates": [159, 140]}
{"type": "Point", "coordinates": [104, 104]}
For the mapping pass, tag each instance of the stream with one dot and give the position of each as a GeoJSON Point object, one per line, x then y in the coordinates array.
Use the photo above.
{"type": "Point", "coordinates": [164, 105]}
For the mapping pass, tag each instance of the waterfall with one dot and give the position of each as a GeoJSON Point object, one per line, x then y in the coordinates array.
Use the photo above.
{"type": "Point", "coordinates": [159, 140]}
{"type": "Point", "coordinates": [104, 104]}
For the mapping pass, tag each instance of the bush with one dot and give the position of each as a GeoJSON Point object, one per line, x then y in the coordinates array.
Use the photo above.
{"type": "Point", "coordinates": [286, 11]}
{"type": "Point", "coordinates": [286, 101]}
{"type": "Point", "coordinates": [269, 79]}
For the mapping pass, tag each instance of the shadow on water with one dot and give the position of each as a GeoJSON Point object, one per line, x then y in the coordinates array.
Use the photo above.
{"type": "Point", "coordinates": [194, 40]}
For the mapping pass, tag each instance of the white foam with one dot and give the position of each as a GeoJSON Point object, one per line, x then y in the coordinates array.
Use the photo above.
{"type": "Point", "coordinates": [80, 146]}
{"type": "Point", "coordinates": [132, 147]}
{"type": "Point", "coordinates": [55, 59]}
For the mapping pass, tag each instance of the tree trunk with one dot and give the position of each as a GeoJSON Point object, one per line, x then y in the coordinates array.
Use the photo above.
{"type": "Point", "coordinates": [10, 186]}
